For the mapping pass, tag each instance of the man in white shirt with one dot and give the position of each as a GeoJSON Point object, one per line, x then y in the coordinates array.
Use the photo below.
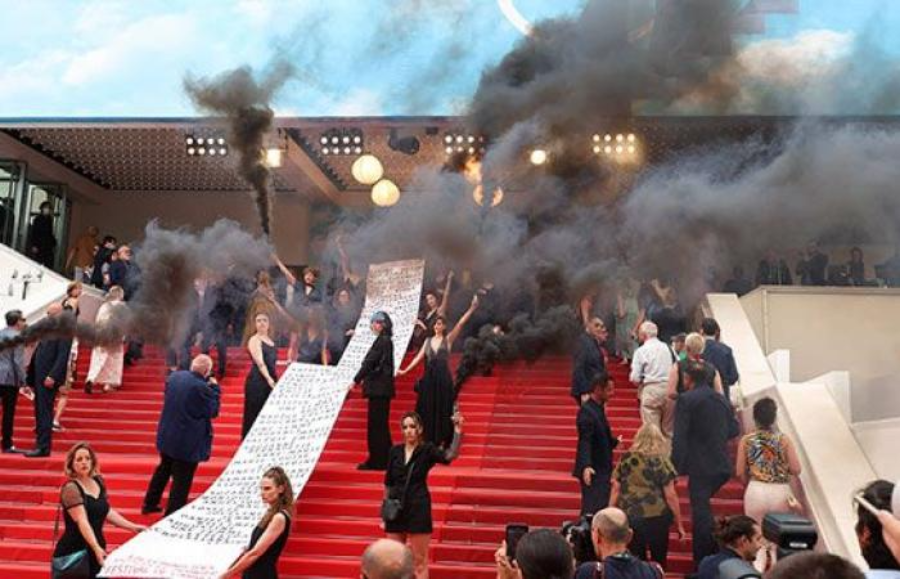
{"type": "Point", "coordinates": [650, 373]}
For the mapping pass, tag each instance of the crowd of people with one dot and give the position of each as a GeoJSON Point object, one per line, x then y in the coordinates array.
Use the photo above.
{"type": "Point", "coordinates": [684, 385]}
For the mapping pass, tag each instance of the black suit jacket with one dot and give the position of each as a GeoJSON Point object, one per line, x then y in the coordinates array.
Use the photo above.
{"type": "Point", "coordinates": [185, 429]}
{"type": "Point", "coordinates": [377, 370]}
{"type": "Point", "coordinates": [587, 363]}
{"type": "Point", "coordinates": [50, 360]}
{"type": "Point", "coordinates": [595, 440]}
{"type": "Point", "coordinates": [704, 422]}
{"type": "Point", "coordinates": [722, 358]}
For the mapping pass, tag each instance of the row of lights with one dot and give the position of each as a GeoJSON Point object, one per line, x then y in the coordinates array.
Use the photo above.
{"type": "Point", "coordinates": [618, 144]}
{"type": "Point", "coordinates": [463, 143]}
{"type": "Point", "coordinates": [342, 142]}
{"type": "Point", "coordinates": [203, 146]}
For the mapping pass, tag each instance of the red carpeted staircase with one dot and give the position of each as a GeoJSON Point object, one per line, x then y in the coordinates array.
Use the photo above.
{"type": "Point", "coordinates": [516, 459]}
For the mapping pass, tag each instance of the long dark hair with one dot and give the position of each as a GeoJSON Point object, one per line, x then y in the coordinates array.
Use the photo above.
{"type": "Point", "coordinates": [285, 501]}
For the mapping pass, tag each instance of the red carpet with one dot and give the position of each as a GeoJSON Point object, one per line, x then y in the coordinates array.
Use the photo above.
{"type": "Point", "coordinates": [516, 458]}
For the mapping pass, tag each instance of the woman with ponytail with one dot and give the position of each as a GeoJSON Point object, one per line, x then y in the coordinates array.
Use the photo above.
{"type": "Point", "coordinates": [260, 560]}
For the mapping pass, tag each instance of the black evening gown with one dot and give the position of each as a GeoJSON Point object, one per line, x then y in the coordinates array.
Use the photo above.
{"type": "Point", "coordinates": [266, 567]}
{"type": "Point", "coordinates": [256, 389]}
{"type": "Point", "coordinates": [72, 540]}
{"type": "Point", "coordinates": [436, 395]}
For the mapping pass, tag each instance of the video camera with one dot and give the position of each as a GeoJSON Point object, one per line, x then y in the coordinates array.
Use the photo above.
{"type": "Point", "coordinates": [790, 533]}
{"type": "Point", "coordinates": [578, 534]}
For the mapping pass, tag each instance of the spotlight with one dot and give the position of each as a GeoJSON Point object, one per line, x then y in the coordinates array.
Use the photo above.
{"type": "Point", "coordinates": [358, 150]}
{"type": "Point", "coordinates": [448, 139]}
{"type": "Point", "coordinates": [200, 140]}
{"type": "Point", "coordinates": [191, 151]}
{"type": "Point", "coordinates": [189, 140]}
{"type": "Point", "coordinates": [335, 140]}
{"type": "Point", "coordinates": [347, 150]}
{"type": "Point", "coordinates": [223, 151]}
{"type": "Point", "coordinates": [357, 140]}
{"type": "Point", "coordinates": [459, 138]}
{"type": "Point", "coordinates": [346, 139]}
{"type": "Point", "coordinates": [324, 140]}
{"type": "Point", "coordinates": [325, 150]}
{"type": "Point", "coordinates": [471, 139]}
{"type": "Point", "coordinates": [608, 150]}
{"type": "Point", "coordinates": [607, 137]}
{"type": "Point", "coordinates": [272, 157]}
{"type": "Point", "coordinates": [407, 145]}
{"type": "Point", "coordinates": [212, 152]}
{"type": "Point", "coordinates": [596, 138]}
{"type": "Point", "coordinates": [538, 157]}
{"type": "Point", "coordinates": [201, 151]}
{"type": "Point", "coordinates": [449, 150]}
{"type": "Point", "coordinates": [631, 149]}
{"type": "Point", "coordinates": [619, 149]}
{"type": "Point", "coordinates": [597, 149]}
{"type": "Point", "coordinates": [620, 138]}
{"type": "Point", "coordinates": [340, 141]}
{"type": "Point", "coordinates": [631, 137]}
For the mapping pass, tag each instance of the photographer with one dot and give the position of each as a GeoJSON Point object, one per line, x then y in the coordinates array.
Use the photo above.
{"type": "Point", "coordinates": [611, 535]}
{"type": "Point", "coordinates": [876, 544]}
{"type": "Point", "coordinates": [739, 537]}
{"type": "Point", "coordinates": [540, 554]}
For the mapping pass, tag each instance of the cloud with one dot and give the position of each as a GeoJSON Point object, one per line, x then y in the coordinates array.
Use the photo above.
{"type": "Point", "coordinates": [360, 102]}
{"type": "Point", "coordinates": [135, 47]}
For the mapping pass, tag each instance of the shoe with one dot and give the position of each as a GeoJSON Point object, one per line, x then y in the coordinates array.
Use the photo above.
{"type": "Point", "coordinates": [37, 453]}
{"type": "Point", "coordinates": [57, 427]}
{"type": "Point", "coordinates": [148, 510]}
{"type": "Point", "coordinates": [88, 387]}
{"type": "Point", "coordinates": [365, 466]}
{"type": "Point", "coordinates": [12, 450]}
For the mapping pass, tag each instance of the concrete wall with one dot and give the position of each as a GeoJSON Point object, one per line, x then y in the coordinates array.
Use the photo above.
{"type": "Point", "coordinates": [126, 214]}
{"type": "Point", "coordinates": [829, 329]}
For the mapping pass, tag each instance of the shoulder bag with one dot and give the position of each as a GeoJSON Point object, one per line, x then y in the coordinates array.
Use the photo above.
{"type": "Point", "coordinates": [391, 508]}
{"type": "Point", "coordinates": [75, 565]}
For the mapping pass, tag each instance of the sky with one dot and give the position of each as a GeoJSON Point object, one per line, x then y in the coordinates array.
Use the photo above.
{"type": "Point", "coordinates": [121, 58]}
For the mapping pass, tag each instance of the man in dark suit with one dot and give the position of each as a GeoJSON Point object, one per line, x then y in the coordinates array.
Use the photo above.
{"type": "Point", "coordinates": [377, 377]}
{"type": "Point", "coordinates": [594, 457]}
{"type": "Point", "coordinates": [185, 433]}
{"type": "Point", "coordinates": [704, 422]}
{"type": "Point", "coordinates": [719, 355]}
{"type": "Point", "coordinates": [46, 374]}
{"type": "Point", "coordinates": [589, 359]}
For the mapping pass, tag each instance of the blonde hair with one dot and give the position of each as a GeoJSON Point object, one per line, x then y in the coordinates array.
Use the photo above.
{"type": "Point", "coordinates": [649, 440]}
{"type": "Point", "coordinates": [69, 468]}
{"type": "Point", "coordinates": [694, 344]}
{"type": "Point", "coordinates": [115, 293]}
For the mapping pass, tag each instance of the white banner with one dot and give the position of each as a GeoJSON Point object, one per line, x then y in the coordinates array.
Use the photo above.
{"type": "Point", "coordinates": [202, 540]}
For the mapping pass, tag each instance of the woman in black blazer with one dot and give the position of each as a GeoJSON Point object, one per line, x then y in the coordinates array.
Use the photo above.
{"type": "Point", "coordinates": [377, 377]}
{"type": "Point", "coordinates": [406, 479]}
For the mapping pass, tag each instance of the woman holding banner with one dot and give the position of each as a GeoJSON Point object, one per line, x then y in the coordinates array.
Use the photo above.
{"type": "Point", "coordinates": [260, 560]}
{"type": "Point", "coordinates": [377, 377]}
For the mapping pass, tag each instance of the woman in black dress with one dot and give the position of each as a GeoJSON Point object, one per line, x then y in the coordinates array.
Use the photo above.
{"type": "Point", "coordinates": [41, 241]}
{"type": "Point", "coordinates": [312, 347]}
{"type": "Point", "coordinates": [437, 395]}
{"type": "Point", "coordinates": [435, 307]}
{"type": "Point", "coordinates": [260, 560]}
{"type": "Point", "coordinates": [413, 460]}
{"type": "Point", "coordinates": [85, 508]}
{"type": "Point", "coordinates": [261, 379]}
{"type": "Point", "coordinates": [377, 377]}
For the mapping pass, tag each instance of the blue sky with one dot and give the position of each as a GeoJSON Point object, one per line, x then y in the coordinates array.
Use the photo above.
{"type": "Point", "coordinates": [366, 57]}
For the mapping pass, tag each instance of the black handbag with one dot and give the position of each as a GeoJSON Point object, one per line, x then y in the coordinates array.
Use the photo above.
{"type": "Point", "coordinates": [75, 565]}
{"type": "Point", "coordinates": [391, 508]}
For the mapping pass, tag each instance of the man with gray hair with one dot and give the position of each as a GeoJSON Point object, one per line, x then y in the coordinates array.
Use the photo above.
{"type": "Point", "coordinates": [387, 559]}
{"type": "Point", "coordinates": [185, 433]}
{"type": "Point", "coordinates": [611, 535]}
{"type": "Point", "coordinates": [650, 373]}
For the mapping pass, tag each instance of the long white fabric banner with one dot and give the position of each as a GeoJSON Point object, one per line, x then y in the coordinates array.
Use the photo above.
{"type": "Point", "coordinates": [201, 540]}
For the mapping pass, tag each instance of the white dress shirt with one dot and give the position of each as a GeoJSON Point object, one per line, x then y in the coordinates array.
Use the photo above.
{"type": "Point", "coordinates": [652, 362]}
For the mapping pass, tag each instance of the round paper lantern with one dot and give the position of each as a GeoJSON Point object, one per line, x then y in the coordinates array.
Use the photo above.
{"type": "Point", "coordinates": [385, 193]}
{"type": "Point", "coordinates": [367, 169]}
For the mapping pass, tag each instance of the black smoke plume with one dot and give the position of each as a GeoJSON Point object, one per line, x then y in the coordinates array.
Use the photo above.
{"type": "Point", "coordinates": [169, 262]}
{"type": "Point", "coordinates": [244, 101]}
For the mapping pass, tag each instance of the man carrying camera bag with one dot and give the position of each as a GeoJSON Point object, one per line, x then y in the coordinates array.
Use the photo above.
{"type": "Point", "coordinates": [611, 534]}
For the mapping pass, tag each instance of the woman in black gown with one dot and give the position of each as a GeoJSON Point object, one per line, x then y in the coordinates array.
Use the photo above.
{"type": "Point", "coordinates": [413, 460]}
{"type": "Point", "coordinates": [437, 395]}
{"type": "Point", "coordinates": [435, 307]}
{"type": "Point", "coordinates": [83, 498]}
{"type": "Point", "coordinates": [262, 377]}
{"type": "Point", "coordinates": [312, 347]}
{"type": "Point", "coordinates": [260, 560]}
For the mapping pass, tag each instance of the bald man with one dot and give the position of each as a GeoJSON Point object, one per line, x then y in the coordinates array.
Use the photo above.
{"type": "Point", "coordinates": [611, 534]}
{"type": "Point", "coordinates": [46, 374]}
{"type": "Point", "coordinates": [386, 559]}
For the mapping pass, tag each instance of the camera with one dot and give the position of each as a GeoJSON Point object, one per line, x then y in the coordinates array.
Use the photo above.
{"type": "Point", "coordinates": [578, 534]}
{"type": "Point", "coordinates": [790, 533]}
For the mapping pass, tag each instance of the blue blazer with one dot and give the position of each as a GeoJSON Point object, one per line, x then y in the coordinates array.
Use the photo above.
{"type": "Point", "coordinates": [722, 358]}
{"type": "Point", "coordinates": [185, 429]}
